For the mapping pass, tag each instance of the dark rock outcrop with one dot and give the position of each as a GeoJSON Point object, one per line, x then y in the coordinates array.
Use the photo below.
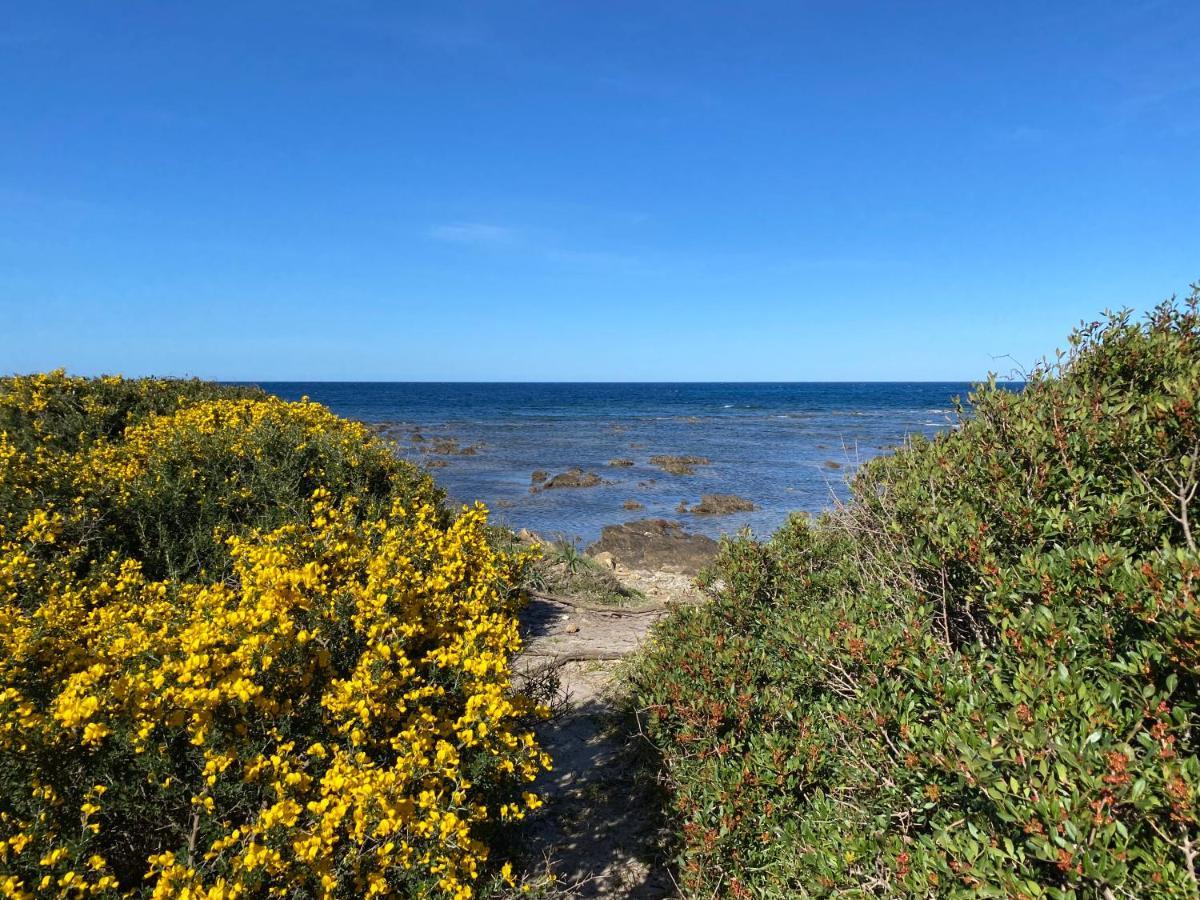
{"type": "Point", "coordinates": [656, 545]}
{"type": "Point", "coordinates": [574, 478]}
{"type": "Point", "coordinates": [721, 505]}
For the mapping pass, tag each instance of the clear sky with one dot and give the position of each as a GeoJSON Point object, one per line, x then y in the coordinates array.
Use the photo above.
{"type": "Point", "coordinates": [588, 190]}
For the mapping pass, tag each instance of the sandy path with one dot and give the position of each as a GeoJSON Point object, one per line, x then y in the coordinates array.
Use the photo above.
{"type": "Point", "coordinates": [599, 831]}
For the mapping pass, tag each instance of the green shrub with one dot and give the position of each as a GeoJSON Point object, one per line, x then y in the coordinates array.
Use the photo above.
{"type": "Point", "coordinates": [978, 677]}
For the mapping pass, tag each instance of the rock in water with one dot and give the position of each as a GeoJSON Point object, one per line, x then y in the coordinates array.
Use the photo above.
{"type": "Point", "coordinates": [575, 478]}
{"type": "Point", "coordinates": [680, 465]}
{"type": "Point", "coordinates": [721, 505]}
{"type": "Point", "coordinates": [447, 446]}
{"type": "Point", "coordinates": [655, 545]}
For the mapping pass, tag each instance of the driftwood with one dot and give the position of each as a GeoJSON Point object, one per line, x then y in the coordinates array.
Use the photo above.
{"type": "Point", "coordinates": [562, 659]}
{"type": "Point", "coordinates": [656, 610]}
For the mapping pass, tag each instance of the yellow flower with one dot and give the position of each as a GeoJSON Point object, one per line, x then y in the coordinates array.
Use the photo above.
{"type": "Point", "coordinates": [314, 707]}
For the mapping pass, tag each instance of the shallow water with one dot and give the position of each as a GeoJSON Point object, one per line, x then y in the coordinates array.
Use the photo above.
{"type": "Point", "coordinates": [774, 444]}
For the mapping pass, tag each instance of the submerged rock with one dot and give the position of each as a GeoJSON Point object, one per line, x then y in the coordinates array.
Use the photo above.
{"type": "Point", "coordinates": [832, 464]}
{"type": "Point", "coordinates": [721, 505]}
{"type": "Point", "coordinates": [446, 446]}
{"type": "Point", "coordinates": [620, 463]}
{"type": "Point", "coordinates": [655, 545]}
{"type": "Point", "coordinates": [574, 478]}
{"type": "Point", "coordinates": [391, 432]}
{"type": "Point", "coordinates": [633, 504]}
{"type": "Point", "coordinates": [679, 465]}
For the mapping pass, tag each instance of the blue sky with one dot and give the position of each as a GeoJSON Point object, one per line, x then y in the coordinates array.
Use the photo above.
{"type": "Point", "coordinates": [588, 190]}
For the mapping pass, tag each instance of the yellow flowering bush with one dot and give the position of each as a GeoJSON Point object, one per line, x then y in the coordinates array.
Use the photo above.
{"type": "Point", "coordinates": [185, 477]}
{"type": "Point", "coordinates": [56, 411]}
{"type": "Point", "coordinates": [310, 699]}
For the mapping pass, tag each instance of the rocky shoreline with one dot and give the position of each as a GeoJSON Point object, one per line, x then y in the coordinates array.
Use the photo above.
{"type": "Point", "coordinates": [573, 486]}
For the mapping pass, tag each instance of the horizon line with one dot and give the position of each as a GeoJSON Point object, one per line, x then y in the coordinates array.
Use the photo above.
{"type": "Point", "coordinates": [266, 381]}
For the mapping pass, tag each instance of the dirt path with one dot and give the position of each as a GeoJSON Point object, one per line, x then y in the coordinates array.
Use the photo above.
{"type": "Point", "coordinates": [599, 831]}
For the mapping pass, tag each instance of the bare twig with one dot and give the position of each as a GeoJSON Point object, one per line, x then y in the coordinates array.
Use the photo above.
{"type": "Point", "coordinates": [556, 660]}
{"type": "Point", "coordinates": [1189, 856]}
{"type": "Point", "coordinates": [192, 837]}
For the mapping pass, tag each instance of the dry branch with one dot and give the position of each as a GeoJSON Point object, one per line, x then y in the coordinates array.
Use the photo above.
{"type": "Point", "coordinates": [657, 609]}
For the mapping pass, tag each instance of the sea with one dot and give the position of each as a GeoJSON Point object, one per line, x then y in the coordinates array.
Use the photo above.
{"type": "Point", "coordinates": [784, 447]}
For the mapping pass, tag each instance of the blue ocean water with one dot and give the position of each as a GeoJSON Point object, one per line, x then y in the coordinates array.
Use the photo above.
{"type": "Point", "coordinates": [785, 447]}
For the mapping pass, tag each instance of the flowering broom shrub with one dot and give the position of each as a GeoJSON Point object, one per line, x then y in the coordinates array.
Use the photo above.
{"type": "Point", "coordinates": [982, 676]}
{"type": "Point", "coordinates": [243, 652]}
